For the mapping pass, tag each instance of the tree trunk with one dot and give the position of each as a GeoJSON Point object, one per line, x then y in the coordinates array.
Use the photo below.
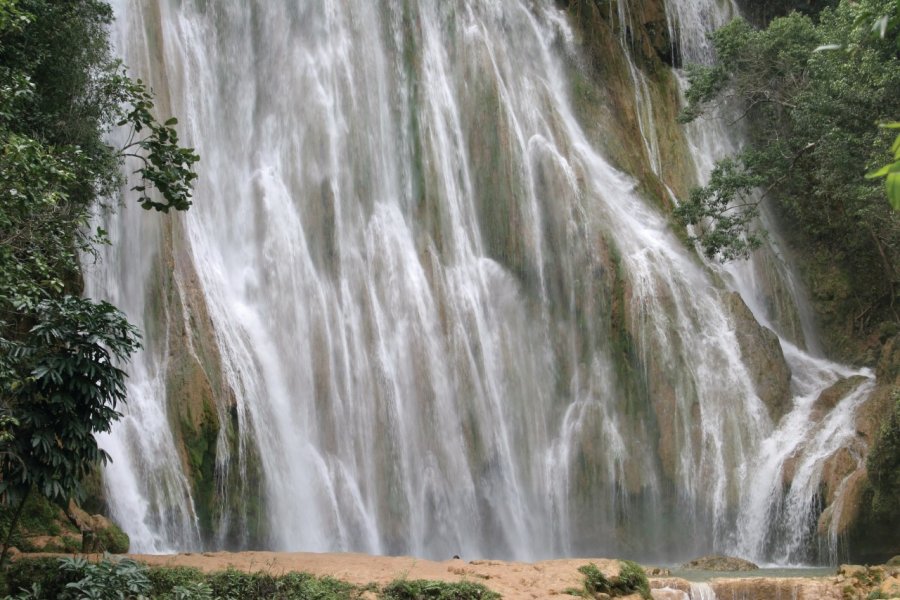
{"type": "Point", "coordinates": [12, 527]}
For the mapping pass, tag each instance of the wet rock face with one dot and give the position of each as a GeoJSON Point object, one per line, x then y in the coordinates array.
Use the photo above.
{"type": "Point", "coordinates": [749, 588]}
{"type": "Point", "coordinates": [761, 352]}
{"type": "Point", "coordinates": [758, 588]}
{"type": "Point", "coordinates": [720, 563]}
{"type": "Point", "coordinates": [830, 398]}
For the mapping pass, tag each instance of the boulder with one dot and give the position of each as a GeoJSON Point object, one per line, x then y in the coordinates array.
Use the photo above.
{"type": "Point", "coordinates": [761, 352]}
{"type": "Point", "coordinates": [98, 534]}
{"type": "Point", "coordinates": [108, 537]}
{"type": "Point", "coordinates": [717, 562]}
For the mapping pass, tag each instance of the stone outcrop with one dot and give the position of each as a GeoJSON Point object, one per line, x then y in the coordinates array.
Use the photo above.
{"type": "Point", "coordinates": [98, 533]}
{"type": "Point", "coordinates": [761, 352]}
{"type": "Point", "coordinates": [720, 563]}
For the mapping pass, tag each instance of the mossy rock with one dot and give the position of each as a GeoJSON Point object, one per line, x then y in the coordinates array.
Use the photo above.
{"type": "Point", "coordinates": [102, 535]}
{"type": "Point", "coordinates": [720, 563]}
{"type": "Point", "coordinates": [114, 541]}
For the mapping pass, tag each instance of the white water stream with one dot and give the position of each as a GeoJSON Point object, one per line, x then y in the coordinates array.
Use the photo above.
{"type": "Point", "coordinates": [445, 324]}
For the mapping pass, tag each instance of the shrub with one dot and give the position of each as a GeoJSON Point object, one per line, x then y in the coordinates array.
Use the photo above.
{"type": "Point", "coordinates": [24, 574]}
{"type": "Point", "coordinates": [630, 580]}
{"type": "Point", "coordinates": [421, 589]}
{"type": "Point", "coordinates": [125, 579]}
{"type": "Point", "coordinates": [195, 590]}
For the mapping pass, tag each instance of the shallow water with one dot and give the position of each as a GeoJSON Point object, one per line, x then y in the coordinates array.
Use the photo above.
{"type": "Point", "coordinates": [767, 572]}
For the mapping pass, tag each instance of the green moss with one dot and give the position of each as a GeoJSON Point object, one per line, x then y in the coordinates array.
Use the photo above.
{"type": "Point", "coordinates": [200, 446]}
{"type": "Point", "coordinates": [71, 544]}
{"type": "Point", "coordinates": [873, 538]}
{"type": "Point", "coordinates": [113, 540]}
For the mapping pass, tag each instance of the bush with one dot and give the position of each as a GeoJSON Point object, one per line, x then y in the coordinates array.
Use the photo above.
{"type": "Point", "coordinates": [23, 574]}
{"type": "Point", "coordinates": [164, 580]}
{"type": "Point", "coordinates": [237, 585]}
{"type": "Point", "coordinates": [71, 579]}
{"type": "Point", "coordinates": [123, 578]}
{"type": "Point", "coordinates": [631, 580]}
{"type": "Point", "coordinates": [195, 590]}
{"type": "Point", "coordinates": [422, 589]}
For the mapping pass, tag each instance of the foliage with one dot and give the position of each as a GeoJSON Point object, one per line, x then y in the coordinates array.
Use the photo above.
{"type": "Point", "coordinates": [729, 199]}
{"type": "Point", "coordinates": [66, 579]}
{"type": "Point", "coordinates": [195, 590]}
{"type": "Point", "coordinates": [66, 386]}
{"type": "Point", "coordinates": [812, 94]}
{"type": "Point", "coordinates": [421, 589]}
{"type": "Point", "coordinates": [631, 580]}
{"type": "Point", "coordinates": [237, 585]}
{"type": "Point", "coordinates": [166, 579]}
{"type": "Point", "coordinates": [166, 166]}
{"type": "Point", "coordinates": [61, 93]}
{"type": "Point", "coordinates": [104, 579]}
{"type": "Point", "coordinates": [891, 171]}
{"type": "Point", "coordinates": [43, 574]}
{"type": "Point", "coordinates": [763, 11]}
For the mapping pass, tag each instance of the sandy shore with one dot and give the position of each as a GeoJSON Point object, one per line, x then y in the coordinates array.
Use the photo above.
{"type": "Point", "coordinates": [511, 579]}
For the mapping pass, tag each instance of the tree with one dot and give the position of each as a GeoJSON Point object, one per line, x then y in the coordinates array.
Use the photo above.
{"type": "Point", "coordinates": [61, 380]}
{"type": "Point", "coordinates": [812, 93]}
{"type": "Point", "coordinates": [63, 385]}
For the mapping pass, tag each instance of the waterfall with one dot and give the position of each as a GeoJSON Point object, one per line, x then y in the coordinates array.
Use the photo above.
{"type": "Point", "coordinates": [702, 591]}
{"type": "Point", "coordinates": [414, 309]}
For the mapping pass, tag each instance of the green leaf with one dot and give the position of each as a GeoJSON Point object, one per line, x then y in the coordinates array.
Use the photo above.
{"type": "Point", "coordinates": [893, 189]}
{"type": "Point", "coordinates": [882, 172]}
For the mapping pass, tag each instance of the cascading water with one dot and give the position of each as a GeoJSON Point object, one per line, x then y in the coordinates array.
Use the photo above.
{"type": "Point", "coordinates": [777, 522]}
{"type": "Point", "coordinates": [423, 312]}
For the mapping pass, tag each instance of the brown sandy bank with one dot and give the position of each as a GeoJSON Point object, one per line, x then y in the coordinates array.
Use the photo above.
{"type": "Point", "coordinates": [513, 580]}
